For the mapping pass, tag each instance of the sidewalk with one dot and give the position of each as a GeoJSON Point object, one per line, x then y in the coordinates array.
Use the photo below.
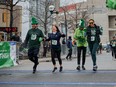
{"type": "Point", "coordinates": [104, 62]}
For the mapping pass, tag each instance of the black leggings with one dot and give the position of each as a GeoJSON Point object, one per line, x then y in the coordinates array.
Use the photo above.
{"type": "Point", "coordinates": [55, 53]}
{"type": "Point", "coordinates": [32, 54]}
{"type": "Point", "coordinates": [79, 50]}
{"type": "Point", "coordinates": [114, 52]}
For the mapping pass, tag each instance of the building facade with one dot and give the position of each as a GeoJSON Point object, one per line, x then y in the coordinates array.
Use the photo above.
{"type": "Point", "coordinates": [103, 17]}
{"type": "Point", "coordinates": [5, 17]}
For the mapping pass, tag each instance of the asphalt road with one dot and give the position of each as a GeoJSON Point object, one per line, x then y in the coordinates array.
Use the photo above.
{"type": "Point", "coordinates": [21, 75]}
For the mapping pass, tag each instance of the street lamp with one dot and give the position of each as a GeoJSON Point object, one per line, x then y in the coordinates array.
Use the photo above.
{"type": "Point", "coordinates": [52, 9]}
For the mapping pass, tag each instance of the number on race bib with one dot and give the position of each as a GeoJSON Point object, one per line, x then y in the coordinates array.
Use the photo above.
{"type": "Point", "coordinates": [33, 37]}
{"type": "Point", "coordinates": [54, 42]}
{"type": "Point", "coordinates": [92, 38]}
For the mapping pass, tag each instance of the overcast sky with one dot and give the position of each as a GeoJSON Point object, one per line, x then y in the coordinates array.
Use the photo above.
{"type": "Point", "coordinates": [66, 2]}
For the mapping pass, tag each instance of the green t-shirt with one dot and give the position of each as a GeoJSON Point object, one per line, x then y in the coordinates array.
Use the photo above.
{"type": "Point", "coordinates": [33, 37]}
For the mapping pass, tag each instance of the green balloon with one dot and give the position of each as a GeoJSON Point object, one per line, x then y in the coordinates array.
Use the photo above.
{"type": "Point", "coordinates": [111, 4]}
{"type": "Point", "coordinates": [40, 39]}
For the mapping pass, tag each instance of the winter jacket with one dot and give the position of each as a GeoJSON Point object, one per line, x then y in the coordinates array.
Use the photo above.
{"type": "Point", "coordinates": [55, 40]}
{"type": "Point", "coordinates": [80, 37]}
{"type": "Point", "coordinates": [97, 34]}
{"type": "Point", "coordinates": [69, 43]}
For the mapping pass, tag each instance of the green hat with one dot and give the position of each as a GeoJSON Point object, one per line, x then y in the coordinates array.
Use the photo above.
{"type": "Point", "coordinates": [111, 4]}
{"type": "Point", "coordinates": [82, 23]}
{"type": "Point", "coordinates": [34, 21]}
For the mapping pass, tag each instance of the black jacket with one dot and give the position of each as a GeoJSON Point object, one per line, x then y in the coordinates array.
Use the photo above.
{"type": "Point", "coordinates": [98, 33]}
{"type": "Point", "coordinates": [55, 37]}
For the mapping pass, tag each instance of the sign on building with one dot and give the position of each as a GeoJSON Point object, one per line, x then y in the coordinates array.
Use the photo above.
{"type": "Point", "coordinates": [8, 29]}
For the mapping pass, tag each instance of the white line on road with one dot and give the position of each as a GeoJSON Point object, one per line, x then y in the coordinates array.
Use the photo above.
{"type": "Point", "coordinates": [60, 83]}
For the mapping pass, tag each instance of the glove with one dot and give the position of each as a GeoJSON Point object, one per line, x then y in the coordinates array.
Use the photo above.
{"type": "Point", "coordinates": [40, 39]}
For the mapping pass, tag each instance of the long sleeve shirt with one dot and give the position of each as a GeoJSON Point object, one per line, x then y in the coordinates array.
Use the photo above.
{"type": "Point", "coordinates": [80, 37]}
{"type": "Point", "coordinates": [55, 40]}
{"type": "Point", "coordinates": [32, 37]}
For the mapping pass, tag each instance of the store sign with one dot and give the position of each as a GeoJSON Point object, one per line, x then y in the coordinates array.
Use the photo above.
{"type": "Point", "coordinates": [8, 29]}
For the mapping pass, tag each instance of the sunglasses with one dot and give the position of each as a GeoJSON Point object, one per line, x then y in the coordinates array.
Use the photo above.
{"type": "Point", "coordinates": [91, 23]}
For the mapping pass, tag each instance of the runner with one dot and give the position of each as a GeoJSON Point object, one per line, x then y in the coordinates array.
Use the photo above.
{"type": "Point", "coordinates": [33, 39]}
{"type": "Point", "coordinates": [81, 40]}
{"type": "Point", "coordinates": [93, 38]}
{"type": "Point", "coordinates": [54, 37]}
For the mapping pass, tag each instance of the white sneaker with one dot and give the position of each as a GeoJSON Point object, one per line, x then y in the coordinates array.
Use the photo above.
{"type": "Point", "coordinates": [95, 68]}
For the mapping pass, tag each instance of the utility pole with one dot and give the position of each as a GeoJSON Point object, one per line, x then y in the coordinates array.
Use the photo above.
{"type": "Point", "coordinates": [37, 8]}
{"type": "Point", "coordinates": [65, 19]}
{"type": "Point", "coordinates": [65, 24]}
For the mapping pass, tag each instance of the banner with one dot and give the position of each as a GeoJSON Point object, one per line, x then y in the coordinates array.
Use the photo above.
{"type": "Point", "coordinates": [7, 54]}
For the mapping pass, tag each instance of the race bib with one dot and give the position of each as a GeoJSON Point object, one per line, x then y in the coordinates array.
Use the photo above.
{"type": "Point", "coordinates": [54, 42]}
{"type": "Point", "coordinates": [33, 37]}
{"type": "Point", "coordinates": [92, 38]}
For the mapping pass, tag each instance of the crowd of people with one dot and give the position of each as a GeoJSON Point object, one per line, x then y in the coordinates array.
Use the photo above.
{"type": "Point", "coordinates": [83, 37]}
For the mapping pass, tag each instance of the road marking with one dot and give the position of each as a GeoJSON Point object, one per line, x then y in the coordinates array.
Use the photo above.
{"type": "Point", "coordinates": [59, 83]}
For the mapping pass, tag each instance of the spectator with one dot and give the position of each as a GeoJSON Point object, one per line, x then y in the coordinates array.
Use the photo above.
{"type": "Point", "coordinates": [63, 46]}
{"type": "Point", "coordinates": [113, 46]}
{"type": "Point", "coordinates": [69, 45]}
{"type": "Point", "coordinates": [45, 47]}
{"type": "Point", "coordinates": [16, 37]}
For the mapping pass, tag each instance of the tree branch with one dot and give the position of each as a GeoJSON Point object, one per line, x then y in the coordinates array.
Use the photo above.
{"type": "Point", "coordinates": [16, 9]}
{"type": "Point", "coordinates": [39, 19]}
{"type": "Point", "coordinates": [16, 2]}
{"type": "Point", "coordinates": [5, 8]}
{"type": "Point", "coordinates": [49, 16]}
